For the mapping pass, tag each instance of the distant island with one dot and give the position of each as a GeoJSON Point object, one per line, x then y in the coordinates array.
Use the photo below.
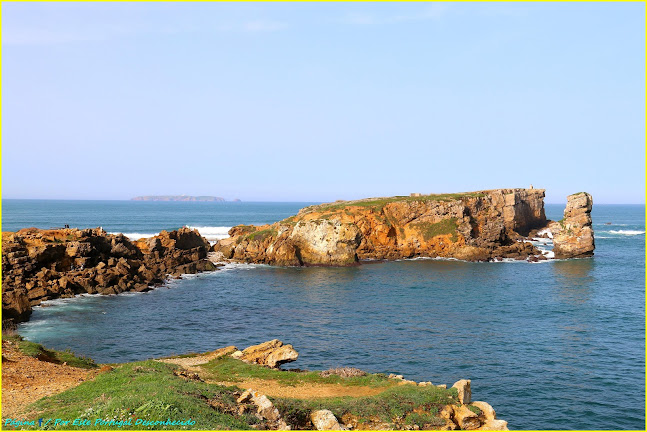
{"type": "Point", "coordinates": [179, 198]}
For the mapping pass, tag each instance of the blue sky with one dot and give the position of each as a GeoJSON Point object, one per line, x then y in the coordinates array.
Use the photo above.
{"type": "Point", "coordinates": [322, 101]}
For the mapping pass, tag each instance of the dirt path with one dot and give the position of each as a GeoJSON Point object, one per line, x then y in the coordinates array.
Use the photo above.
{"type": "Point", "coordinates": [26, 379]}
{"type": "Point", "coordinates": [273, 387]}
{"type": "Point", "coordinates": [192, 363]}
{"type": "Point", "coordinates": [302, 391]}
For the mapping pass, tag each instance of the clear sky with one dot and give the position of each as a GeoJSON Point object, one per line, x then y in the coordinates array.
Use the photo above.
{"type": "Point", "coordinates": [322, 101]}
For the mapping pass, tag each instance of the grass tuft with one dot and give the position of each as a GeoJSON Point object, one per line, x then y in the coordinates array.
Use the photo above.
{"type": "Point", "coordinates": [38, 351]}
{"type": "Point", "coordinates": [148, 391]}
{"type": "Point", "coordinates": [431, 230]}
{"type": "Point", "coordinates": [232, 370]}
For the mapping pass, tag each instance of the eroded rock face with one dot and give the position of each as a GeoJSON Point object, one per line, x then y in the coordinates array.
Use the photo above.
{"type": "Point", "coordinates": [41, 265]}
{"type": "Point", "coordinates": [271, 353]}
{"type": "Point", "coordinates": [465, 418]}
{"type": "Point", "coordinates": [464, 388]}
{"type": "Point", "coordinates": [573, 235]}
{"type": "Point", "coordinates": [486, 409]}
{"type": "Point", "coordinates": [325, 242]}
{"type": "Point", "coordinates": [471, 226]}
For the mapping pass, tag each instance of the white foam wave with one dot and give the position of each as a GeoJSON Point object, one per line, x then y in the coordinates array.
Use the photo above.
{"type": "Point", "coordinates": [136, 236]}
{"type": "Point", "coordinates": [625, 232]}
{"type": "Point", "coordinates": [546, 231]}
{"type": "Point", "coordinates": [212, 233]}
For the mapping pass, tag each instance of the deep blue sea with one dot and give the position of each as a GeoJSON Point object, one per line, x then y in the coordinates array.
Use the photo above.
{"type": "Point", "coordinates": [551, 345]}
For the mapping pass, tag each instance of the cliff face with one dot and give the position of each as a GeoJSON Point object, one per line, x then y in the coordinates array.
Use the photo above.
{"type": "Point", "coordinates": [470, 226]}
{"type": "Point", "coordinates": [40, 265]}
{"type": "Point", "coordinates": [573, 235]}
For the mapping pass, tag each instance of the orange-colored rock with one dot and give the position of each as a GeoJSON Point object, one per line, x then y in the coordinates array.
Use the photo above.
{"type": "Point", "coordinates": [470, 226]}
{"type": "Point", "coordinates": [271, 353]}
{"type": "Point", "coordinates": [39, 265]}
{"type": "Point", "coordinates": [573, 235]}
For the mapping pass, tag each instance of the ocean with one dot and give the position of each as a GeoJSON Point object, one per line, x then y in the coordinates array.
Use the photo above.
{"type": "Point", "coordinates": [550, 345]}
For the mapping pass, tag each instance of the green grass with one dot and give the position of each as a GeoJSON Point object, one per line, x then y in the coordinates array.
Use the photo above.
{"type": "Point", "coordinates": [231, 370]}
{"type": "Point", "coordinates": [379, 203]}
{"type": "Point", "coordinates": [148, 391]}
{"type": "Point", "coordinates": [246, 228]}
{"type": "Point", "coordinates": [40, 352]}
{"type": "Point", "coordinates": [476, 410]}
{"type": "Point", "coordinates": [424, 420]}
{"type": "Point", "coordinates": [262, 234]}
{"type": "Point", "coordinates": [431, 230]}
{"type": "Point", "coordinates": [396, 403]}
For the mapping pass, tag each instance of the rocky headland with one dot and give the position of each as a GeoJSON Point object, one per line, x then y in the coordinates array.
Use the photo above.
{"type": "Point", "coordinates": [39, 265]}
{"type": "Point", "coordinates": [226, 389]}
{"type": "Point", "coordinates": [475, 226]}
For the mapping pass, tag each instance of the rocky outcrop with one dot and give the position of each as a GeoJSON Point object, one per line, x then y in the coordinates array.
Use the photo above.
{"type": "Point", "coordinates": [464, 389]}
{"type": "Point", "coordinates": [271, 353]}
{"type": "Point", "coordinates": [473, 226]}
{"type": "Point", "coordinates": [39, 265]}
{"type": "Point", "coordinates": [573, 235]}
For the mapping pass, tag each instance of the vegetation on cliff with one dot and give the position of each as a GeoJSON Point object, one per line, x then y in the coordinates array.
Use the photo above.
{"type": "Point", "coordinates": [475, 226]}
{"type": "Point", "coordinates": [212, 391]}
{"type": "Point", "coordinates": [39, 352]}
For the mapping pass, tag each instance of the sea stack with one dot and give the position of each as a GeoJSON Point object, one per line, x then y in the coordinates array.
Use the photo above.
{"type": "Point", "coordinates": [573, 235]}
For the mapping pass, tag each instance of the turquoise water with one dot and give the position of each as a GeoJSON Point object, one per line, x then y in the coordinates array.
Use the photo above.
{"type": "Point", "coordinates": [552, 345]}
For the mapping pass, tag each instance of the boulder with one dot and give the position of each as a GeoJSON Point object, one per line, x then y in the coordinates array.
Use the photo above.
{"type": "Point", "coordinates": [465, 418]}
{"type": "Point", "coordinates": [573, 236]}
{"type": "Point", "coordinates": [486, 409]}
{"type": "Point", "coordinates": [271, 353]}
{"type": "Point", "coordinates": [500, 425]}
{"type": "Point", "coordinates": [464, 390]}
{"type": "Point", "coordinates": [324, 420]}
{"type": "Point", "coordinates": [264, 407]}
{"type": "Point", "coordinates": [447, 412]}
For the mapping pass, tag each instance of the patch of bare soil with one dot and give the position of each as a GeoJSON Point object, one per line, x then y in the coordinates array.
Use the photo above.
{"type": "Point", "coordinates": [303, 391]}
{"type": "Point", "coordinates": [26, 379]}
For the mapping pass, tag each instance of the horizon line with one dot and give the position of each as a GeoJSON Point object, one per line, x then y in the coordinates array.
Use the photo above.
{"type": "Point", "coordinates": [250, 201]}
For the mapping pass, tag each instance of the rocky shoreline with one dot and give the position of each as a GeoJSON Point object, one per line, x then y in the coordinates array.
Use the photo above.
{"type": "Point", "coordinates": [40, 265]}
{"type": "Point", "coordinates": [475, 226]}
